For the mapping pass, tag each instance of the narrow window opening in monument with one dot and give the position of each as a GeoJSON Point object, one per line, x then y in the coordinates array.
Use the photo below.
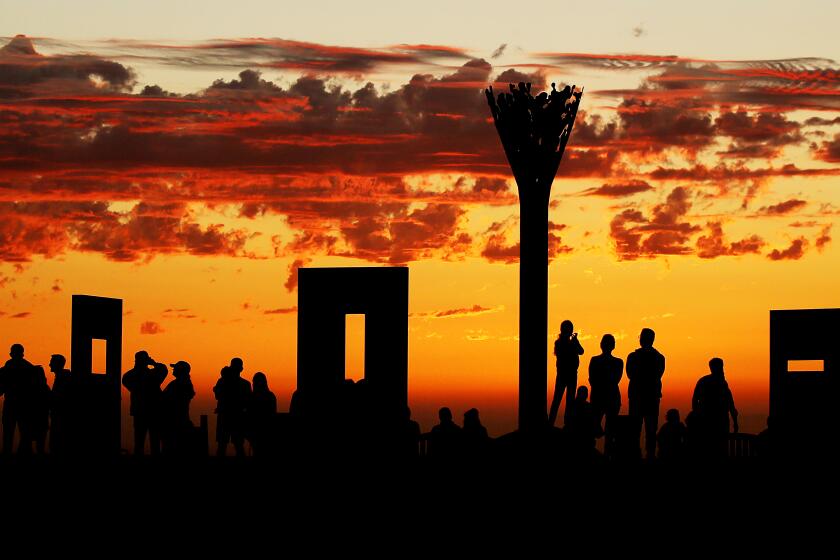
{"type": "Point", "coordinates": [354, 347]}
{"type": "Point", "coordinates": [97, 356]}
{"type": "Point", "coordinates": [807, 366]}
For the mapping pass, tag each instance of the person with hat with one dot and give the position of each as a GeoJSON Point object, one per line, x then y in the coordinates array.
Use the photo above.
{"type": "Point", "coordinates": [177, 425]}
{"type": "Point", "coordinates": [143, 382]}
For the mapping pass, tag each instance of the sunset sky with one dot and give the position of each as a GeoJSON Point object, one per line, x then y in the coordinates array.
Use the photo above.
{"type": "Point", "coordinates": [187, 157]}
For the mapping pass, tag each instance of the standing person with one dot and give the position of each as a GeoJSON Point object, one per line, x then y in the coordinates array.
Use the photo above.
{"type": "Point", "coordinates": [474, 436]}
{"type": "Point", "coordinates": [261, 414]}
{"type": "Point", "coordinates": [15, 382]}
{"type": "Point", "coordinates": [61, 401]}
{"type": "Point", "coordinates": [713, 404]}
{"type": "Point", "coordinates": [143, 383]}
{"type": "Point", "coordinates": [233, 394]}
{"type": "Point", "coordinates": [177, 425]}
{"type": "Point", "coordinates": [605, 371]}
{"type": "Point", "coordinates": [36, 417]}
{"type": "Point", "coordinates": [445, 438]}
{"type": "Point", "coordinates": [568, 350]}
{"type": "Point", "coordinates": [645, 367]}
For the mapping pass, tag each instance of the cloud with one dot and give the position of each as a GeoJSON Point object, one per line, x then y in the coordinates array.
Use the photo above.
{"type": "Point", "coordinates": [619, 190]}
{"type": "Point", "coordinates": [783, 208]}
{"type": "Point", "coordinates": [497, 248]}
{"type": "Point", "coordinates": [795, 251]}
{"type": "Point", "coordinates": [458, 312]}
{"type": "Point", "coordinates": [150, 327]}
{"type": "Point", "coordinates": [665, 232]}
{"type": "Point", "coordinates": [21, 315]}
{"type": "Point", "coordinates": [280, 310]}
{"type": "Point", "coordinates": [714, 244]}
{"type": "Point", "coordinates": [824, 237]}
{"type": "Point", "coordinates": [500, 50]}
{"type": "Point", "coordinates": [292, 279]}
{"type": "Point", "coordinates": [830, 150]}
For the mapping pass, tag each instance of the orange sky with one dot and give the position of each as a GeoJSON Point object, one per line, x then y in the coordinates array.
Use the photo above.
{"type": "Point", "coordinates": [697, 194]}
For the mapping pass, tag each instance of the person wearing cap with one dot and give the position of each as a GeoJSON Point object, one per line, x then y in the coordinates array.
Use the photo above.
{"type": "Point", "coordinates": [177, 425]}
{"type": "Point", "coordinates": [143, 383]}
{"type": "Point", "coordinates": [233, 394]}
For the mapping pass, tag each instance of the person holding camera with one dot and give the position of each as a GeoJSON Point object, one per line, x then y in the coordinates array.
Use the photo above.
{"type": "Point", "coordinates": [143, 383]}
{"type": "Point", "coordinates": [568, 350]}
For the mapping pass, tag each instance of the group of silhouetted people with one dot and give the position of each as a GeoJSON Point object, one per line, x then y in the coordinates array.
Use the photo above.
{"type": "Point", "coordinates": [355, 418]}
{"type": "Point", "coordinates": [160, 414]}
{"type": "Point", "coordinates": [705, 433]}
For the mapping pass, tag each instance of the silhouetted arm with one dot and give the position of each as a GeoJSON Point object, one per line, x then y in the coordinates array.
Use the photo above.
{"type": "Point", "coordinates": [732, 410]}
{"type": "Point", "coordinates": [129, 380]}
{"type": "Point", "coordinates": [619, 371]}
{"type": "Point", "coordinates": [578, 347]}
{"type": "Point", "coordinates": [631, 366]}
{"type": "Point", "coordinates": [695, 397]}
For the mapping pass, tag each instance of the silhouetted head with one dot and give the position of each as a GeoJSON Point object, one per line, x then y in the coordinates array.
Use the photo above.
{"type": "Point", "coordinates": [646, 338]}
{"type": "Point", "coordinates": [582, 393]}
{"type": "Point", "coordinates": [716, 366]}
{"type": "Point", "coordinates": [566, 328]}
{"type": "Point", "coordinates": [16, 351]}
{"type": "Point", "coordinates": [57, 362]}
{"type": "Point", "coordinates": [672, 416]}
{"type": "Point", "coordinates": [406, 413]}
{"type": "Point", "coordinates": [236, 365]}
{"type": "Point", "coordinates": [607, 343]}
{"type": "Point", "coordinates": [142, 358]}
{"type": "Point", "coordinates": [471, 418]}
{"type": "Point", "coordinates": [180, 369]}
{"type": "Point", "coordinates": [260, 382]}
{"type": "Point", "coordinates": [445, 415]}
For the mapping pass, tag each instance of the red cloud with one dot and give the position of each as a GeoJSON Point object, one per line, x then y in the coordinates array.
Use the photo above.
{"type": "Point", "coordinates": [619, 190]}
{"type": "Point", "coordinates": [664, 233]}
{"type": "Point", "coordinates": [280, 311]}
{"type": "Point", "coordinates": [795, 251]}
{"type": "Point", "coordinates": [714, 244]}
{"type": "Point", "coordinates": [150, 327]}
{"type": "Point", "coordinates": [783, 208]}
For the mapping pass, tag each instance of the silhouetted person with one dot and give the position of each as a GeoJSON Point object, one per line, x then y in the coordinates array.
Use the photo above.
{"type": "Point", "coordinates": [178, 429]}
{"type": "Point", "coordinates": [35, 420]}
{"type": "Point", "coordinates": [672, 437]}
{"type": "Point", "coordinates": [408, 438]}
{"type": "Point", "coordinates": [713, 404]}
{"type": "Point", "coordinates": [143, 383]}
{"type": "Point", "coordinates": [567, 350]}
{"type": "Point", "coordinates": [474, 435]}
{"type": "Point", "coordinates": [262, 412]}
{"type": "Point", "coordinates": [605, 371]}
{"type": "Point", "coordinates": [645, 367]}
{"type": "Point", "coordinates": [445, 438]}
{"type": "Point", "coordinates": [233, 394]}
{"type": "Point", "coordinates": [581, 424]}
{"type": "Point", "coordinates": [61, 406]}
{"type": "Point", "coordinates": [16, 380]}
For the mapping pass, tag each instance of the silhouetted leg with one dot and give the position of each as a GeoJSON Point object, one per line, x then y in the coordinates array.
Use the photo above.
{"type": "Point", "coordinates": [555, 401]}
{"type": "Point", "coordinates": [8, 436]}
{"type": "Point", "coordinates": [635, 415]}
{"type": "Point", "coordinates": [651, 427]}
{"type": "Point", "coordinates": [571, 389]}
{"type": "Point", "coordinates": [239, 444]}
{"type": "Point", "coordinates": [222, 436]}
{"type": "Point", "coordinates": [154, 441]}
{"type": "Point", "coordinates": [140, 429]}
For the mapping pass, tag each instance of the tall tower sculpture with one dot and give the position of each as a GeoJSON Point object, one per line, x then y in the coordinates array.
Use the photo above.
{"type": "Point", "coordinates": [534, 132]}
